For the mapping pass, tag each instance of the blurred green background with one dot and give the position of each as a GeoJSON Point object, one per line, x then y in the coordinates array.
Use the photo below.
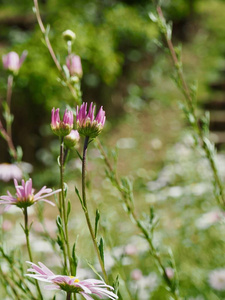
{"type": "Point", "coordinates": [128, 72]}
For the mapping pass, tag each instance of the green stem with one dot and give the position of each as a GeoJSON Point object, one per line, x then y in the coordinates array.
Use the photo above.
{"type": "Point", "coordinates": [8, 101]}
{"type": "Point", "coordinates": [27, 233]}
{"type": "Point", "coordinates": [68, 296]}
{"type": "Point", "coordinates": [86, 209]}
{"type": "Point", "coordinates": [63, 205]}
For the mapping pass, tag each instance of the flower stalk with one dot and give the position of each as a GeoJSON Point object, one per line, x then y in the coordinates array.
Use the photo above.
{"type": "Point", "coordinates": [85, 208]}
{"type": "Point", "coordinates": [68, 297]}
{"type": "Point", "coordinates": [8, 101]}
{"type": "Point", "coordinates": [27, 234]}
{"type": "Point", "coordinates": [63, 205]}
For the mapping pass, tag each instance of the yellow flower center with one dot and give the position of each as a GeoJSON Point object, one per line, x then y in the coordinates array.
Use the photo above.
{"type": "Point", "coordinates": [76, 280]}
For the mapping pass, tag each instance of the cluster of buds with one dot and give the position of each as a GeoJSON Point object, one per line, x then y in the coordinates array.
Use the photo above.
{"type": "Point", "coordinates": [87, 124]}
{"type": "Point", "coordinates": [12, 62]}
{"type": "Point", "coordinates": [64, 128]}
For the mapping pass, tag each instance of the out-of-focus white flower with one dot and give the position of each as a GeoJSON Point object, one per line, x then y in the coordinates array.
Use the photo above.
{"type": "Point", "coordinates": [136, 274]}
{"type": "Point", "coordinates": [149, 282]}
{"type": "Point", "coordinates": [156, 144]}
{"type": "Point", "coordinates": [7, 225]}
{"type": "Point", "coordinates": [217, 279]}
{"type": "Point", "coordinates": [131, 249]}
{"type": "Point", "coordinates": [10, 171]}
{"type": "Point", "coordinates": [208, 219]}
{"type": "Point", "coordinates": [126, 143]}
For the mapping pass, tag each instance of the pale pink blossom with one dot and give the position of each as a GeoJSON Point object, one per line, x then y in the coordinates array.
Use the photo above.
{"type": "Point", "coordinates": [7, 225]}
{"type": "Point", "coordinates": [71, 284]}
{"type": "Point", "coordinates": [10, 171]}
{"type": "Point", "coordinates": [87, 123]}
{"type": "Point", "coordinates": [25, 196]}
{"type": "Point", "coordinates": [73, 63]}
{"type": "Point", "coordinates": [217, 279]}
{"type": "Point", "coordinates": [12, 61]}
{"type": "Point", "coordinates": [170, 272]}
{"type": "Point", "coordinates": [130, 249]}
{"type": "Point", "coordinates": [136, 274]}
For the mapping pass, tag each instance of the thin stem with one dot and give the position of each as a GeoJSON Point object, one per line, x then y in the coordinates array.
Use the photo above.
{"type": "Point", "coordinates": [65, 221]}
{"type": "Point", "coordinates": [9, 141]}
{"type": "Point", "coordinates": [8, 101]}
{"type": "Point", "coordinates": [139, 224]}
{"type": "Point", "coordinates": [68, 296]}
{"type": "Point", "coordinates": [27, 233]}
{"type": "Point", "coordinates": [186, 92]}
{"type": "Point", "coordinates": [51, 51]}
{"type": "Point", "coordinates": [86, 209]}
{"type": "Point", "coordinates": [69, 47]}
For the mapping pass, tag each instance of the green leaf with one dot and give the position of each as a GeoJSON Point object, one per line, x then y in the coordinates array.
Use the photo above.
{"type": "Point", "coordinates": [79, 197]}
{"type": "Point", "coordinates": [74, 259]}
{"type": "Point", "coordinates": [97, 218]}
{"type": "Point", "coordinates": [101, 249]}
{"type": "Point", "coordinates": [65, 187]}
{"type": "Point", "coordinates": [19, 152]}
{"type": "Point", "coordinates": [116, 284]}
{"type": "Point", "coordinates": [95, 271]}
{"type": "Point", "coordinates": [68, 209]}
{"type": "Point", "coordinates": [80, 157]}
{"type": "Point", "coordinates": [66, 72]}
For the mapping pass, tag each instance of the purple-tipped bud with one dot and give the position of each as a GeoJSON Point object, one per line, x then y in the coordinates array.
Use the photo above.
{"type": "Point", "coordinates": [72, 139]}
{"type": "Point", "coordinates": [73, 63]}
{"type": "Point", "coordinates": [64, 127]}
{"type": "Point", "coordinates": [13, 62]}
{"type": "Point", "coordinates": [87, 124]}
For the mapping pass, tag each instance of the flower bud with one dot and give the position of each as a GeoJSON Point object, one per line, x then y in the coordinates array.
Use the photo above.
{"type": "Point", "coordinates": [169, 272]}
{"type": "Point", "coordinates": [13, 62]}
{"type": "Point", "coordinates": [87, 123]}
{"type": "Point", "coordinates": [72, 139]}
{"type": "Point", "coordinates": [69, 35]}
{"type": "Point", "coordinates": [64, 127]}
{"type": "Point", "coordinates": [73, 63]}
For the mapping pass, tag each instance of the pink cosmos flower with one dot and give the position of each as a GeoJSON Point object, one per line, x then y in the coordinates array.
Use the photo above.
{"type": "Point", "coordinates": [71, 284]}
{"type": "Point", "coordinates": [73, 63]}
{"type": "Point", "coordinates": [87, 123]}
{"type": "Point", "coordinates": [25, 196]}
{"type": "Point", "coordinates": [12, 61]}
{"type": "Point", "coordinates": [64, 127]}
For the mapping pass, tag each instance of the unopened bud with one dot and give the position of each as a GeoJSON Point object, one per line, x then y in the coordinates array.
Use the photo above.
{"type": "Point", "coordinates": [69, 35]}
{"type": "Point", "coordinates": [72, 139]}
